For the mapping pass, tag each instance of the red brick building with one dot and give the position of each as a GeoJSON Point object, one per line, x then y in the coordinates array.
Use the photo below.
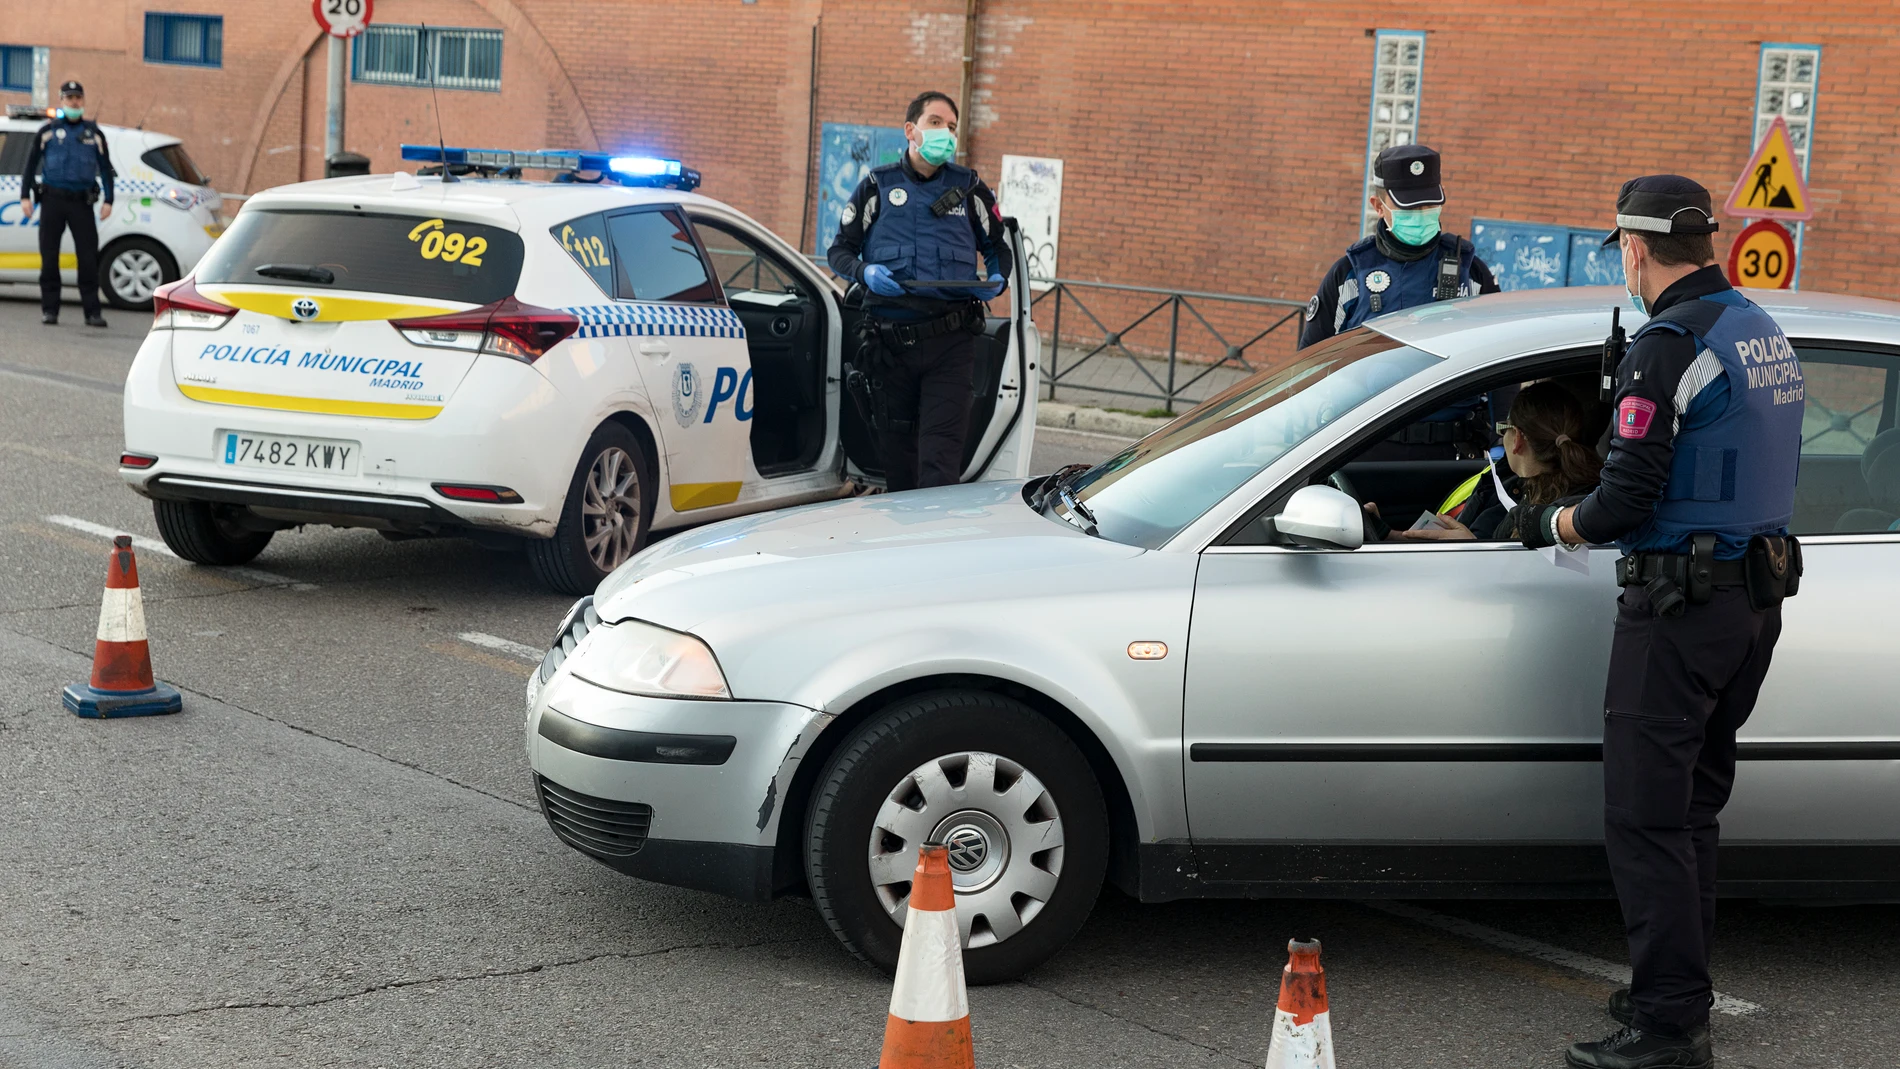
{"type": "Point", "coordinates": [1207, 145]}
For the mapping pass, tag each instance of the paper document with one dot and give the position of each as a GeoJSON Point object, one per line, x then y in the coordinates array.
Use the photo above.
{"type": "Point", "coordinates": [1576, 560]}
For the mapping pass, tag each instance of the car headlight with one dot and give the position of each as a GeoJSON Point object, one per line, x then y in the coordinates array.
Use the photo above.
{"type": "Point", "coordinates": [639, 658]}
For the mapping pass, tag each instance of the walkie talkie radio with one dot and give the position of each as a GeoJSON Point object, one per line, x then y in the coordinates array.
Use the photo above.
{"type": "Point", "coordinates": [1614, 347]}
{"type": "Point", "coordinates": [947, 203]}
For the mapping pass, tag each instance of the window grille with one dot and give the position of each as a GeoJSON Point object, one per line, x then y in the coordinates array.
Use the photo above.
{"type": "Point", "coordinates": [1785, 89]}
{"type": "Point", "coordinates": [428, 55]}
{"type": "Point", "coordinates": [16, 69]}
{"type": "Point", "coordinates": [190, 40]}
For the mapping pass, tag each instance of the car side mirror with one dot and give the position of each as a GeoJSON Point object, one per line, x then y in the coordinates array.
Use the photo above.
{"type": "Point", "coordinates": [1319, 517]}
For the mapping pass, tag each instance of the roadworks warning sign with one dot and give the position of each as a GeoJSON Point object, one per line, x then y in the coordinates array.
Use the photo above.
{"type": "Point", "coordinates": [1771, 186]}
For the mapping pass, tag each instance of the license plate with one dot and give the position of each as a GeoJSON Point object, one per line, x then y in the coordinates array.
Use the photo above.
{"type": "Point", "coordinates": [248, 449]}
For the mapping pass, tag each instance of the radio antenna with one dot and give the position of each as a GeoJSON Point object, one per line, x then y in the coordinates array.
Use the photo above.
{"type": "Point", "coordinates": [435, 105]}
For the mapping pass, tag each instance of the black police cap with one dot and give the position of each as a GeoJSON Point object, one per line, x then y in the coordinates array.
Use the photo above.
{"type": "Point", "coordinates": [71, 89]}
{"type": "Point", "coordinates": [1663, 204]}
{"type": "Point", "coordinates": [1410, 174]}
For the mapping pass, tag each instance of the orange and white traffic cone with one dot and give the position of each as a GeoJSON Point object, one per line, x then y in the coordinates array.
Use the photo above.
{"type": "Point", "coordinates": [122, 683]}
{"type": "Point", "coordinates": [929, 1022]}
{"type": "Point", "coordinates": [1302, 1031]}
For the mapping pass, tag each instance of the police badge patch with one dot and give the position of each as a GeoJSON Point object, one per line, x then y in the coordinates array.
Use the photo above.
{"type": "Point", "coordinates": [898, 197]}
{"type": "Point", "coordinates": [1312, 309]}
{"type": "Point", "coordinates": [1378, 282]}
{"type": "Point", "coordinates": [686, 394]}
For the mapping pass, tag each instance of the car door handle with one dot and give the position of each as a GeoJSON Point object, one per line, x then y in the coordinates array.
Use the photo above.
{"type": "Point", "coordinates": [655, 348]}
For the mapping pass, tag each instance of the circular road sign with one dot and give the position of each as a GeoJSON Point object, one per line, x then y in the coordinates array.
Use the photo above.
{"type": "Point", "coordinates": [342, 18]}
{"type": "Point", "coordinates": [1762, 257]}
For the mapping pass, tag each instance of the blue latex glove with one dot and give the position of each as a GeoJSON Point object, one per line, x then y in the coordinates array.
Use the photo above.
{"type": "Point", "coordinates": [995, 288]}
{"type": "Point", "coordinates": [878, 277]}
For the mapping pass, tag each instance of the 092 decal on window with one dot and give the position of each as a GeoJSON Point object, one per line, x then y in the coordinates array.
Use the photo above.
{"type": "Point", "coordinates": [451, 246]}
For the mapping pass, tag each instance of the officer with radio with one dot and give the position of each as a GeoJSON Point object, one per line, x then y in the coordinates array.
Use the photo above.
{"type": "Point", "coordinates": [1407, 261]}
{"type": "Point", "coordinates": [1697, 492]}
{"type": "Point", "coordinates": [69, 167]}
{"type": "Point", "coordinates": [911, 235]}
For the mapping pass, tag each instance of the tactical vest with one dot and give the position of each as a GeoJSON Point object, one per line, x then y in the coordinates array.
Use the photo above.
{"type": "Point", "coordinates": [1387, 285]}
{"type": "Point", "coordinates": [1734, 468]}
{"type": "Point", "coordinates": [69, 152]}
{"type": "Point", "coordinates": [917, 243]}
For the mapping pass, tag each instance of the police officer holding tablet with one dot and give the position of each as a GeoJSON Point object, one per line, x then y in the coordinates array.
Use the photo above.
{"type": "Point", "coordinates": [920, 220]}
{"type": "Point", "coordinates": [69, 167]}
{"type": "Point", "coordinates": [1697, 492]}
{"type": "Point", "coordinates": [1407, 261]}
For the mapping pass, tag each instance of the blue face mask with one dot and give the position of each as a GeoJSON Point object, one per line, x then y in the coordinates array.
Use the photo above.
{"type": "Point", "coordinates": [1636, 294]}
{"type": "Point", "coordinates": [1415, 227]}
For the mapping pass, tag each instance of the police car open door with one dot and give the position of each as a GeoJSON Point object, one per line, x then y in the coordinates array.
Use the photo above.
{"type": "Point", "coordinates": [1002, 427]}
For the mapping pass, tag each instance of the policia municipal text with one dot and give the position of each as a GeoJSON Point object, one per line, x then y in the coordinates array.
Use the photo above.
{"type": "Point", "coordinates": [911, 234]}
{"type": "Point", "coordinates": [69, 167]}
{"type": "Point", "coordinates": [1697, 492]}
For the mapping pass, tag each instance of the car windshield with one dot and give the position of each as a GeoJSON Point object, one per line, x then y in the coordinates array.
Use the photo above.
{"type": "Point", "coordinates": [409, 255]}
{"type": "Point", "coordinates": [1147, 493]}
{"type": "Point", "coordinates": [174, 162]}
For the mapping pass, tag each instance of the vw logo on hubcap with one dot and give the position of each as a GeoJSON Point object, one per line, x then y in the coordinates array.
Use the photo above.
{"type": "Point", "coordinates": [968, 848]}
{"type": "Point", "coordinates": [304, 308]}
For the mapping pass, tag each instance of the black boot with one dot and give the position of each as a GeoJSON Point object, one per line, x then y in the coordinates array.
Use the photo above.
{"type": "Point", "coordinates": [1629, 1048]}
{"type": "Point", "coordinates": [51, 319]}
{"type": "Point", "coordinates": [95, 320]}
{"type": "Point", "coordinates": [1620, 1009]}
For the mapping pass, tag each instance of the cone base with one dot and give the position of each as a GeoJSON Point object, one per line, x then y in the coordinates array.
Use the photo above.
{"type": "Point", "coordinates": [81, 700]}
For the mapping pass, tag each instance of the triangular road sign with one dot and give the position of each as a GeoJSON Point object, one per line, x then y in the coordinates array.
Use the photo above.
{"type": "Point", "coordinates": [1771, 186]}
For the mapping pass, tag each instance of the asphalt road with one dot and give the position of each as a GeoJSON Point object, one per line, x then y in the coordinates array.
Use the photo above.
{"type": "Point", "coordinates": [332, 856]}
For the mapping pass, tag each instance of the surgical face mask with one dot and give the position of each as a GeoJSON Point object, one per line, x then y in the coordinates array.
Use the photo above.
{"type": "Point", "coordinates": [938, 146]}
{"type": "Point", "coordinates": [72, 114]}
{"type": "Point", "coordinates": [1415, 226]}
{"type": "Point", "coordinates": [1635, 287]}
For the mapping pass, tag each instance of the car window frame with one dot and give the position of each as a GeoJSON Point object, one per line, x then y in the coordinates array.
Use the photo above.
{"type": "Point", "coordinates": [760, 248]}
{"type": "Point", "coordinates": [683, 221]}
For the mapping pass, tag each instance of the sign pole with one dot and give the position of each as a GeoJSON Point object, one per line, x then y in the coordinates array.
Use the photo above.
{"type": "Point", "coordinates": [333, 124]}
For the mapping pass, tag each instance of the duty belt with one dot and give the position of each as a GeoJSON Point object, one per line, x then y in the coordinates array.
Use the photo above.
{"type": "Point", "coordinates": [896, 335]}
{"type": "Point", "coordinates": [62, 193]}
{"type": "Point", "coordinates": [1639, 569]}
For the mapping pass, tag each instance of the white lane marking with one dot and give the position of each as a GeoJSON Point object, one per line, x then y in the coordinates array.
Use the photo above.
{"type": "Point", "coordinates": [491, 642]}
{"type": "Point", "coordinates": [153, 545]}
{"type": "Point", "coordinates": [1531, 948]}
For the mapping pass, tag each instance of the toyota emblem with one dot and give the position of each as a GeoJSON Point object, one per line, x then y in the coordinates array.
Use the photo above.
{"type": "Point", "coordinates": [304, 308]}
{"type": "Point", "coordinates": [968, 849]}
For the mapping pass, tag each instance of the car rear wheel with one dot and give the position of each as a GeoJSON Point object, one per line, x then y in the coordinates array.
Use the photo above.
{"type": "Point", "coordinates": [1005, 789]}
{"type": "Point", "coordinates": [130, 271]}
{"type": "Point", "coordinates": [605, 518]}
{"type": "Point", "coordinates": [203, 533]}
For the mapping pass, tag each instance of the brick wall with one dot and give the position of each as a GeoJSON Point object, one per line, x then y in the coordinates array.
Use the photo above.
{"type": "Point", "coordinates": [1209, 145]}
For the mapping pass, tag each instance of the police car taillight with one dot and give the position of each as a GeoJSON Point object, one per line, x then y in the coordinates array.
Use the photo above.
{"type": "Point", "coordinates": [179, 306]}
{"type": "Point", "coordinates": [505, 328]}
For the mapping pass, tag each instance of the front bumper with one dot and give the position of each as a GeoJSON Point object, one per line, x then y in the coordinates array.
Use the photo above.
{"type": "Point", "coordinates": [675, 791]}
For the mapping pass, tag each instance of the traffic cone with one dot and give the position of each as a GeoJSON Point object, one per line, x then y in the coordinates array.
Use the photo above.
{"type": "Point", "coordinates": [122, 683]}
{"type": "Point", "coordinates": [1302, 1031]}
{"type": "Point", "coordinates": [929, 1022]}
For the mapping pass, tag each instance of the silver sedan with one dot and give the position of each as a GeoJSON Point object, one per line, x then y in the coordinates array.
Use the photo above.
{"type": "Point", "coordinates": [1181, 671]}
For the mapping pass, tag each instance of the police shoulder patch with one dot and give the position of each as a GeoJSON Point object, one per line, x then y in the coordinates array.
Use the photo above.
{"type": "Point", "coordinates": [1312, 309]}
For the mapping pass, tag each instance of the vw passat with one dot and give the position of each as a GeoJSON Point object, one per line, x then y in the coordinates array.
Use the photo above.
{"type": "Point", "coordinates": [565, 366]}
{"type": "Point", "coordinates": [1184, 672]}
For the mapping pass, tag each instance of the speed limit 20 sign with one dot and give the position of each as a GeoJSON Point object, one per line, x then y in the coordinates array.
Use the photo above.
{"type": "Point", "coordinates": [342, 18]}
{"type": "Point", "coordinates": [1762, 257]}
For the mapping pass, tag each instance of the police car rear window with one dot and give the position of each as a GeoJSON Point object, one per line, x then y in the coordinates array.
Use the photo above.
{"type": "Point", "coordinates": [406, 255]}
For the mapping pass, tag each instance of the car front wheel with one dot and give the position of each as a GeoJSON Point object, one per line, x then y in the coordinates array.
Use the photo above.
{"type": "Point", "coordinates": [605, 518]}
{"type": "Point", "coordinates": [1009, 794]}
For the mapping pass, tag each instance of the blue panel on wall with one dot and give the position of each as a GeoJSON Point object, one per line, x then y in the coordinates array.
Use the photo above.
{"type": "Point", "coordinates": [847, 152]}
{"type": "Point", "coordinates": [1590, 263]}
{"type": "Point", "coordinates": [1526, 256]}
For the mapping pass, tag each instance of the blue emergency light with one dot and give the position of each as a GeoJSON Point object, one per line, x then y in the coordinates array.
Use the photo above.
{"type": "Point", "coordinates": [626, 170]}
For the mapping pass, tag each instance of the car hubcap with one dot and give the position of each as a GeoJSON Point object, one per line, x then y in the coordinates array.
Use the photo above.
{"type": "Point", "coordinates": [1004, 835]}
{"type": "Point", "coordinates": [610, 509]}
{"type": "Point", "coordinates": [135, 275]}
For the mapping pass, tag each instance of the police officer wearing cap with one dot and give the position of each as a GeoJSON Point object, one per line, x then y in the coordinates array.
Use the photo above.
{"type": "Point", "coordinates": [69, 167]}
{"type": "Point", "coordinates": [919, 221]}
{"type": "Point", "coordinates": [1697, 492]}
{"type": "Point", "coordinates": [1407, 261]}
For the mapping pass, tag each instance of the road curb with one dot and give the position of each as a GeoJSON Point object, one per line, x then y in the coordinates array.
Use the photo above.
{"type": "Point", "coordinates": [1094, 420]}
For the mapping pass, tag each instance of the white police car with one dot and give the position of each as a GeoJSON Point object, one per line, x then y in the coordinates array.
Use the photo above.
{"type": "Point", "coordinates": [564, 365]}
{"type": "Point", "coordinates": [165, 213]}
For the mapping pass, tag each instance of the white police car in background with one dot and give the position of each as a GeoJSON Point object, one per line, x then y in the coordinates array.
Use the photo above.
{"type": "Point", "coordinates": [564, 365]}
{"type": "Point", "coordinates": [165, 213]}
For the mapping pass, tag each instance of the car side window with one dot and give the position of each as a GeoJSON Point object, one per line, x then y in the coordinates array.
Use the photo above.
{"type": "Point", "coordinates": [585, 239]}
{"type": "Point", "coordinates": [741, 265]}
{"type": "Point", "coordinates": [1850, 450]}
{"type": "Point", "coordinates": [656, 259]}
{"type": "Point", "coordinates": [14, 150]}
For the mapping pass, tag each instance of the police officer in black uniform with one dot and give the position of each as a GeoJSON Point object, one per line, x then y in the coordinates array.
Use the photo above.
{"type": "Point", "coordinates": [1408, 261]}
{"type": "Point", "coordinates": [922, 219]}
{"type": "Point", "coordinates": [1697, 492]}
{"type": "Point", "coordinates": [69, 167]}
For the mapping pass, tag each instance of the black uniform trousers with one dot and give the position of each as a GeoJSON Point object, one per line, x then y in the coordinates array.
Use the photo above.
{"type": "Point", "coordinates": [1679, 689]}
{"type": "Point", "coordinates": [927, 391]}
{"type": "Point", "coordinates": [60, 209]}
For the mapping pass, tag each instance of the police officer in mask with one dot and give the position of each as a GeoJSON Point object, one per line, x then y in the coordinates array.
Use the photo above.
{"type": "Point", "coordinates": [69, 167]}
{"type": "Point", "coordinates": [1697, 492]}
{"type": "Point", "coordinates": [1407, 261]}
{"type": "Point", "coordinates": [919, 221]}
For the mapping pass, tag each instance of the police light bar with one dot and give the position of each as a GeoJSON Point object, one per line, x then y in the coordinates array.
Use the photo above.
{"type": "Point", "coordinates": [642, 170]}
{"type": "Point", "coordinates": [626, 170]}
{"type": "Point", "coordinates": [28, 111]}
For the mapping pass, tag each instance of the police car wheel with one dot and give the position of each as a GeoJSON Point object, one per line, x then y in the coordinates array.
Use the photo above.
{"type": "Point", "coordinates": [605, 518]}
{"type": "Point", "coordinates": [203, 533]}
{"type": "Point", "coordinates": [130, 271]}
{"type": "Point", "coordinates": [1002, 786]}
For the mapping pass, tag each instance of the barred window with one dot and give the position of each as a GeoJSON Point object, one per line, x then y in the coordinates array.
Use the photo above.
{"type": "Point", "coordinates": [428, 55]}
{"type": "Point", "coordinates": [1398, 66]}
{"type": "Point", "coordinates": [16, 68]}
{"type": "Point", "coordinates": [190, 40]}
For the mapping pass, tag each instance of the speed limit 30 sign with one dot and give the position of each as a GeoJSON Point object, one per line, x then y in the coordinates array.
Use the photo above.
{"type": "Point", "coordinates": [342, 18]}
{"type": "Point", "coordinates": [1762, 257]}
